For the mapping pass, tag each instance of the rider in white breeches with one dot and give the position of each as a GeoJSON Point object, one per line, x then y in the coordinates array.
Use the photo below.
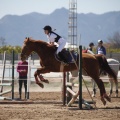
{"type": "Point", "coordinates": [53, 37]}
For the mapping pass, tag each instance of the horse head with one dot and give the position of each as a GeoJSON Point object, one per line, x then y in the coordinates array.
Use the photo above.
{"type": "Point", "coordinates": [26, 49]}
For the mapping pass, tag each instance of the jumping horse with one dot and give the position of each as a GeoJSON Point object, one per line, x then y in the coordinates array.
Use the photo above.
{"type": "Point", "coordinates": [91, 64]}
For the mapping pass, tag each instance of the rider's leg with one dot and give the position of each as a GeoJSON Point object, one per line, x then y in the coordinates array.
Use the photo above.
{"type": "Point", "coordinates": [59, 53]}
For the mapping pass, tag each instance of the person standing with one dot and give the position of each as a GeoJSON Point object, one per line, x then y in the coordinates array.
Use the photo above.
{"type": "Point", "coordinates": [101, 49]}
{"type": "Point", "coordinates": [22, 69]}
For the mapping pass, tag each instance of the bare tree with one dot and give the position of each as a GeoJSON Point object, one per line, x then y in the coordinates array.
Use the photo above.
{"type": "Point", "coordinates": [2, 41]}
{"type": "Point", "coordinates": [115, 40]}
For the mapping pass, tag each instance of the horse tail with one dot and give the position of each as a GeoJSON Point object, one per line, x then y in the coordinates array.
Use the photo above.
{"type": "Point", "coordinates": [105, 66]}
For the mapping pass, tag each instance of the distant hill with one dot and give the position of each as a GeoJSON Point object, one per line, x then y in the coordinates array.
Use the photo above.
{"type": "Point", "coordinates": [91, 26]}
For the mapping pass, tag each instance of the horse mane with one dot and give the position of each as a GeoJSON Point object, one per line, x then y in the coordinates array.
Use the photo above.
{"type": "Point", "coordinates": [40, 43]}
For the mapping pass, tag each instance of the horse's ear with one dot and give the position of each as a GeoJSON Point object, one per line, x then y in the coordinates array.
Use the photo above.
{"type": "Point", "coordinates": [27, 38]}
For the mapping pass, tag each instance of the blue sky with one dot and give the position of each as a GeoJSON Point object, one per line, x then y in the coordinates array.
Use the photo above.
{"type": "Point", "coordinates": [20, 7]}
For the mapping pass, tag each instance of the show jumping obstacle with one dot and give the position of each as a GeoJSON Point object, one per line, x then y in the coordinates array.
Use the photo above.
{"type": "Point", "coordinates": [7, 84]}
{"type": "Point", "coordinates": [69, 93]}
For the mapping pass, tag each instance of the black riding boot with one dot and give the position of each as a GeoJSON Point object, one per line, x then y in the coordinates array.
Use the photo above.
{"type": "Point", "coordinates": [63, 57]}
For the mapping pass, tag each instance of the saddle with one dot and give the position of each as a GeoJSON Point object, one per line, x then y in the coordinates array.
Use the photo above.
{"type": "Point", "coordinates": [68, 56]}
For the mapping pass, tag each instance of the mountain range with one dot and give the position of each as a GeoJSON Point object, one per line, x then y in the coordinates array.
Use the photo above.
{"type": "Point", "coordinates": [90, 26]}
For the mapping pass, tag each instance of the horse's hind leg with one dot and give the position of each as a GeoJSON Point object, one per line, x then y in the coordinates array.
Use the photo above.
{"type": "Point", "coordinates": [102, 91]}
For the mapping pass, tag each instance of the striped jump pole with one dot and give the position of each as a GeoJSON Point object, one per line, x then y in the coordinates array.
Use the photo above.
{"type": "Point", "coordinates": [29, 76]}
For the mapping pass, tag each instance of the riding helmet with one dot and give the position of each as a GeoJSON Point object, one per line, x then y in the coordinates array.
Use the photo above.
{"type": "Point", "coordinates": [100, 41]}
{"type": "Point", "coordinates": [91, 44]}
{"type": "Point", "coordinates": [47, 27]}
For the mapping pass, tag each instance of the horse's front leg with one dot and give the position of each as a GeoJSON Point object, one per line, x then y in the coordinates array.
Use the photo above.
{"type": "Point", "coordinates": [37, 80]}
{"type": "Point", "coordinates": [38, 75]}
{"type": "Point", "coordinates": [42, 71]}
{"type": "Point", "coordinates": [43, 79]}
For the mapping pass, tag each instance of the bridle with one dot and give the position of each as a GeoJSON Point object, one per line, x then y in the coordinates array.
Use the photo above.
{"type": "Point", "coordinates": [23, 54]}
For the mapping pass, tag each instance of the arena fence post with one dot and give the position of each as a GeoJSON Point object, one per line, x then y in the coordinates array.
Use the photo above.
{"type": "Point", "coordinates": [80, 77]}
{"type": "Point", "coordinates": [13, 74]}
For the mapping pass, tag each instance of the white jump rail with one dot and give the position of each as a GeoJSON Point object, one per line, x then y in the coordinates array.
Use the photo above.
{"type": "Point", "coordinates": [5, 92]}
{"type": "Point", "coordinates": [72, 100]}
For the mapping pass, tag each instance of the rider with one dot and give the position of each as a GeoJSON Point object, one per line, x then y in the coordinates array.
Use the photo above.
{"type": "Point", "coordinates": [101, 49]}
{"type": "Point", "coordinates": [53, 37]}
{"type": "Point", "coordinates": [90, 49]}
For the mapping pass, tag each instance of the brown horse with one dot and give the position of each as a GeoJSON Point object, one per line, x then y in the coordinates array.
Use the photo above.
{"type": "Point", "coordinates": [91, 64]}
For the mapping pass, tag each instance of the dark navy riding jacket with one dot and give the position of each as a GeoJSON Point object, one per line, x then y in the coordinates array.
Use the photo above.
{"type": "Point", "coordinates": [101, 50]}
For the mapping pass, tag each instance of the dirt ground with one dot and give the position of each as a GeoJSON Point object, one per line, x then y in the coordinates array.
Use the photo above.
{"type": "Point", "coordinates": [48, 106]}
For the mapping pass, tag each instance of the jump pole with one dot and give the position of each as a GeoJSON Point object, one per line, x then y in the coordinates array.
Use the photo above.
{"type": "Point", "coordinates": [29, 76]}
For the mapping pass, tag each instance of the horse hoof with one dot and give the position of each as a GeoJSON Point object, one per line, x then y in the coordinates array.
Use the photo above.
{"type": "Point", "coordinates": [45, 81]}
{"type": "Point", "coordinates": [103, 101]}
{"type": "Point", "coordinates": [107, 98]}
{"type": "Point", "coordinates": [40, 84]}
{"type": "Point", "coordinates": [93, 95]}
